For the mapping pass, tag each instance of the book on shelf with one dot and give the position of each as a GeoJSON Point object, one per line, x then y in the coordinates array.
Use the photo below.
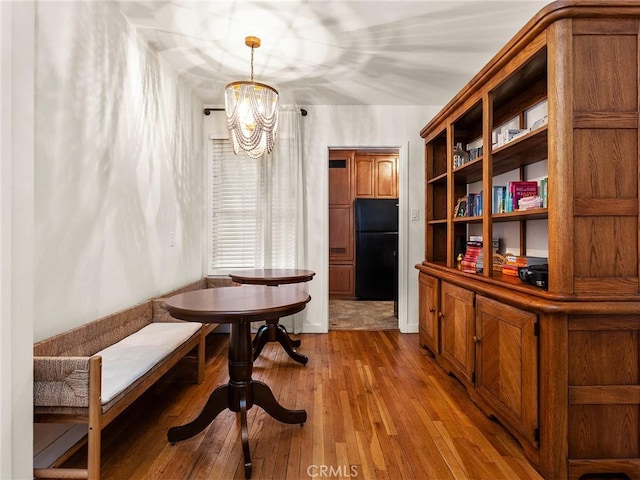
{"type": "Point", "coordinates": [474, 152]}
{"type": "Point", "coordinates": [529, 203]}
{"type": "Point", "coordinates": [462, 156]}
{"type": "Point", "coordinates": [505, 135]}
{"type": "Point", "coordinates": [474, 204]}
{"type": "Point", "coordinates": [543, 191]}
{"type": "Point", "coordinates": [474, 250]}
{"type": "Point", "coordinates": [541, 122]}
{"type": "Point", "coordinates": [499, 199]}
{"type": "Point", "coordinates": [473, 260]}
{"type": "Point", "coordinates": [502, 136]}
{"type": "Point", "coordinates": [510, 134]}
{"type": "Point", "coordinates": [512, 263]}
{"type": "Point", "coordinates": [520, 190]}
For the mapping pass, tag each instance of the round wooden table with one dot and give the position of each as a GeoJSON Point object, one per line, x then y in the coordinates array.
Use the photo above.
{"type": "Point", "coordinates": [272, 330]}
{"type": "Point", "coordinates": [238, 306]}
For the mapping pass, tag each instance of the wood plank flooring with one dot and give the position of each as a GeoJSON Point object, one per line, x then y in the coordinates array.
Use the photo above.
{"type": "Point", "coordinates": [378, 408]}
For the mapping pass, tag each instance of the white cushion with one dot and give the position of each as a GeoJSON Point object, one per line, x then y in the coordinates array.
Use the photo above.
{"type": "Point", "coordinates": [130, 358]}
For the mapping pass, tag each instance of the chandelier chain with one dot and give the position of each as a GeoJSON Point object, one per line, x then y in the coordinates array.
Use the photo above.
{"type": "Point", "coordinates": [252, 63]}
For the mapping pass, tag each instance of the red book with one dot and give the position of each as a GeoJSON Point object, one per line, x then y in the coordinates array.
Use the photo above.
{"type": "Point", "coordinates": [522, 189]}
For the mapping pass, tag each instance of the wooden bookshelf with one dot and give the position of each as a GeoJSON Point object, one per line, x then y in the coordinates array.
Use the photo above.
{"type": "Point", "coordinates": [557, 366]}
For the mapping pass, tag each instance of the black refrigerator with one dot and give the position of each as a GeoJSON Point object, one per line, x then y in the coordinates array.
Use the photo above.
{"type": "Point", "coordinates": [376, 248]}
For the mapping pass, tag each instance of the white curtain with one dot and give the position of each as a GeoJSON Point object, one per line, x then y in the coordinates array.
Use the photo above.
{"type": "Point", "coordinates": [285, 194]}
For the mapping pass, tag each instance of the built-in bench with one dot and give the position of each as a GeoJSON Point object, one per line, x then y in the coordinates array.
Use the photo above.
{"type": "Point", "coordinates": [88, 375]}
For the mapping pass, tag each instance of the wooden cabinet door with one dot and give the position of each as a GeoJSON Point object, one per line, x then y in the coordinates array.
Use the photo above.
{"type": "Point", "coordinates": [340, 165]}
{"type": "Point", "coordinates": [376, 176]}
{"type": "Point", "coordinates": [457, 324]}
{"type": "Point", "coordinates": [364, 182]}
{"type": "Point", "coordinates": [507, 364]}
{"type": "Point", "coordinates": [341, 278]}
{"type": "Point", "coordinates": [340, 234]}
{"type": "Point", "coordinates": [428, 312]}
{"type": "Point", "coordinates": [386, 177]}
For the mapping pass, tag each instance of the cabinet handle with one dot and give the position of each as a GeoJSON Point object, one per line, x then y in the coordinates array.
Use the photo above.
{"type": "Point", "coordinates": [441, 315]}
{"type": "Point", "coordinates": [431, 310]}
{"type": "Point", "coordinates": [476, 339]}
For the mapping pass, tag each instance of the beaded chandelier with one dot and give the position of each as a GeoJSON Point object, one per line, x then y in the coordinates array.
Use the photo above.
{"type": "Point", "coordinates": [252, 112]}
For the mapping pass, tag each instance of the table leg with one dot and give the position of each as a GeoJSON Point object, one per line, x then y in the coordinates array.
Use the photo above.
{"type": "Point", "coordinates": [272, 331]}
{"type": "Point", "coordinates": [294, 343]}
{"type": "Point", "coordinates": [218, 401]}
{"type": "Point", "coordinates": [260, 340]}
{"type": "Point", "coordinates": [282, 337]}
{"type": "Point", "coordinates": [263, 397]}
{"type": "Point", "coordinates": [244, 429]}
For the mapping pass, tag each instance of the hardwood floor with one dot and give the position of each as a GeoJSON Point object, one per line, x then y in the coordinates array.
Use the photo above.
{"type": "Point", "coordinates": [378, 408]}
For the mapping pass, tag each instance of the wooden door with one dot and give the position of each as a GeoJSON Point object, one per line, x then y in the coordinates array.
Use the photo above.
{"type": "Point", "coordinates": [506, 364]}
{"type": "Point", "coordinates": [457, 324]}
{"type": "Point", "coordinates": [428, 312]}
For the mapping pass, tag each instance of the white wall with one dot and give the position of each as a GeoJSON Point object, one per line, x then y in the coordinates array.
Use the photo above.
{"type": "Point", "coordinates": [364, 126]}
{"type": "Point", "coordinates": [119, 169]}
{"type": "Point", "coordinates": [101, 161]}
{"type": "Point", "coordinates": [17, 22]}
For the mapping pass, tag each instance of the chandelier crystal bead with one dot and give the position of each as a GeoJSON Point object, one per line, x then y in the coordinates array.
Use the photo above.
{"type": "Point", "coordinates": [252, 113]}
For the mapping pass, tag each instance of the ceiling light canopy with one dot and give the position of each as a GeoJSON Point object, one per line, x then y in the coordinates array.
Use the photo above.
{"type": "Point", "coordinates": [252, 112]}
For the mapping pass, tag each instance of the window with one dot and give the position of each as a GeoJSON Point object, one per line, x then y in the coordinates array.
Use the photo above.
{"type": "Point", "coordinates": [254, 215]}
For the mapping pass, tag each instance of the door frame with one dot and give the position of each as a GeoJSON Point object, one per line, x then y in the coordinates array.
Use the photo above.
{"type": "Point", "coordinates": [403, 227]}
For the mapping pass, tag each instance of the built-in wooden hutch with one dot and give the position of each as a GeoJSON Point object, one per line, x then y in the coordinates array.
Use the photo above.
{"type": "Point", "coordinates": [558, 367]}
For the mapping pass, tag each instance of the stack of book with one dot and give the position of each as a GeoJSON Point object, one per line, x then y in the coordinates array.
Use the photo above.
{"type": "Point", "coordinates": [473, 261]}
{"type": "Point", "coordinates": [471, 256]}
{"type": "Point", "coordinates": [514, 262]}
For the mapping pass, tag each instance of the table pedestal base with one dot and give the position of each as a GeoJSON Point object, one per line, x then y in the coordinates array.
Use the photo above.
{"type": "Point", "coordinates": [272, 331]}
{"type": "Point", "coordinates": [239, 395]}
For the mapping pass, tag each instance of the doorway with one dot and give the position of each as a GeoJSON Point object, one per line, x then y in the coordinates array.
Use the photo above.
{"type": "Point", "coordinates": [363, 232]}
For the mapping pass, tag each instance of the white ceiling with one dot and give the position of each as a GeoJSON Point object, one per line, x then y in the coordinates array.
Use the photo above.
{"type": "Point", "coordinates": [331, 52]}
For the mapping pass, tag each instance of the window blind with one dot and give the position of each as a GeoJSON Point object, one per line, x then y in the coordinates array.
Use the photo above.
{"type": "Point", "coordinates": [237, 209]}
{"type": "Point", "coordinates": [255, 209]}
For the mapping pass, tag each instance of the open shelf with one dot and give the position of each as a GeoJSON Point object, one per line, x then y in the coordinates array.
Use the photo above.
{"type": "Point", "coordinates": [526, 150]}
{"type": "Point", "coordinates": [521, 215]}
{"type": "Point", "coordinates": [469, 172]}
{"type": "Point", "coordinates": [439, 179]}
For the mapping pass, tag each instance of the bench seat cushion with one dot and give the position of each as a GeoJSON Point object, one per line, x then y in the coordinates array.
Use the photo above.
{"type": "Point", "coordinates": [129, 359]}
